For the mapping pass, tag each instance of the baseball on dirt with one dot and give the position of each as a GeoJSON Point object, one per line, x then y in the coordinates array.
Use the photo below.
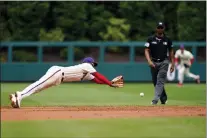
{"type": "Point", "coordinates": [141, 94]}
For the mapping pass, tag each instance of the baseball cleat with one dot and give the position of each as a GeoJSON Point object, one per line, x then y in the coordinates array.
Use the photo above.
{"type": "Point", "coordinates": [180, 84]}
{"type": "Point", "coordinates": [15, 100]}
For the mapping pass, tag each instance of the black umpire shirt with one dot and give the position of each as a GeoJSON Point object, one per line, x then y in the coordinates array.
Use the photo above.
{"type": "Point", "coordinates": [159, 47]}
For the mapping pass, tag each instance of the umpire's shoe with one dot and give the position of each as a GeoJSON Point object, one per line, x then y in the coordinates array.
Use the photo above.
{"type": "Point", "coordinates": [164, 102]}
{"type": "Point", "coordinates": [15, 100]}
{"type": "Point", "coordinates": [154, 102]}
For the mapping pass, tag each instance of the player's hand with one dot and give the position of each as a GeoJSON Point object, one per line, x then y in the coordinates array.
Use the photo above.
{"type": "Point", "coordinates": [151, 64]}
{"type": "Point", "coordinates": [172, 68]}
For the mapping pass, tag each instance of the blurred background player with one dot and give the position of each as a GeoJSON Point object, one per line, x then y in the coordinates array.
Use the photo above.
{"type": "Point", "coordinates": [185, 59]}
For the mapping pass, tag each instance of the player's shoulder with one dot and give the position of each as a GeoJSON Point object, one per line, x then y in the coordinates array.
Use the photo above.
{"type": "Point", "coordinates": [188, 52]}
{"type": "Point", "coordinates": [178, 51]}
{"type": "Point", "coordinates": [86, 65]}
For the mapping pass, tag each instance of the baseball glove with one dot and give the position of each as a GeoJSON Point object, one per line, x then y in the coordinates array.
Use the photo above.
{"type": "Point", "coordinates": [118, 82]}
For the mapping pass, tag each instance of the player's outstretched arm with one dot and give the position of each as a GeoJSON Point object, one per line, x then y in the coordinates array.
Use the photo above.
{"type": "Point", "coordinates": [191, 61]}
{"type": "Point", "coordinates": [100, 79]}
{"type": "Point", "coordinates": [191, 58]}
{"type": "Point", "coordinates": [96, 80]}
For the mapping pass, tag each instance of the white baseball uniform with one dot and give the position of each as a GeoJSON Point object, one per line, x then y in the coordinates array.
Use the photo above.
{"type": "Point", "coordinates": [185, 58]}
{"type": "Point", "coordinates": [57, 74]}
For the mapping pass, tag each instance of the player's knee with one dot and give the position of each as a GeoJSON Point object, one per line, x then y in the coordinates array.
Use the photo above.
{"type": "Point", "coordinates": [188, 74]}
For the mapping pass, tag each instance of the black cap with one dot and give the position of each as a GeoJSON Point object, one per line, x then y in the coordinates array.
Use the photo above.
{"type": "Point", "coordinates": [160, 25]}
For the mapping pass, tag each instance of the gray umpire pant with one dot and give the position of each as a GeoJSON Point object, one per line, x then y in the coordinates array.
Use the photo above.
{"type": "Point", "coordinates": [159, 74]}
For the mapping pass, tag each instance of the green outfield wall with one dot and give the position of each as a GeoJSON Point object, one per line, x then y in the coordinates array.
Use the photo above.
{"type": "Point", "coordinates": [132, 71]}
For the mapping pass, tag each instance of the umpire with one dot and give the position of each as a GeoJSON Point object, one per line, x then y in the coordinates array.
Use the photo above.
{"type": "Point", "coordinates": [156, 49]}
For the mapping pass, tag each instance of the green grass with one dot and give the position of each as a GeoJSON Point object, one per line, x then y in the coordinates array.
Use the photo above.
{"type": "Point", "coordinates": [92, 94]}
{"type": "Point", "coordinates": [107, 128]}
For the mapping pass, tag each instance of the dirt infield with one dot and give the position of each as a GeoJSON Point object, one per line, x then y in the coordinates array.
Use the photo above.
{"type": "Point", "coordinates": [89, 112]}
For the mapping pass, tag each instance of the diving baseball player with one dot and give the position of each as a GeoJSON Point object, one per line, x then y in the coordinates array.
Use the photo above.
{"type": "Point", "coordinates": [58, 74]}
{"type": "Point", "coordinates": [186, 60]}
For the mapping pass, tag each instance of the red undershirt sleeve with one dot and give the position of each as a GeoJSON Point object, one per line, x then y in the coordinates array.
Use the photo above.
{"type": "Point", "coordinates": [176, 60]}
{"type": "Point", "coordinates": [101, 79]}
{"type": "Point", "coordinates": [96, 80]}
{"type": "Point", "coordinates": [191, 60]}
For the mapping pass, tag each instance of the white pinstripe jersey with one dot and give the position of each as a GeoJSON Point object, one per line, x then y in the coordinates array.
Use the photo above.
{"type": "Point", "coordinates": [184, 57]}
{"type": "Point", "coordinates": [78, 72]}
